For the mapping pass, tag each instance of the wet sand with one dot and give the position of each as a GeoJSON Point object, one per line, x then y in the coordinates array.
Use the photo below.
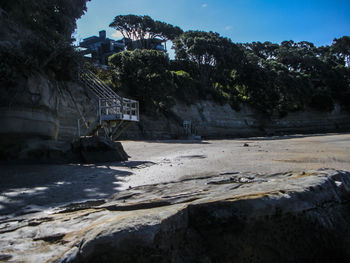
{"type": "Point", "coordinates": [29, 188]}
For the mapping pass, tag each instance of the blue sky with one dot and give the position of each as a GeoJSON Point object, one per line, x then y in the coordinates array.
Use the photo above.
{"type": "Point", "coordinates": [241, 20]}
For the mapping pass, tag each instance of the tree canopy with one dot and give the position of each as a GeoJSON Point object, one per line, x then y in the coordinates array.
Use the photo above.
{"type": "Point", "coordinates": [202, 48]}
{"type": "Point", "coordinates": [209, 52]}
{"type": "Point", "coordinates": [341, 48]}
{"type": "Point", "coordinates": [273, 78]}
{"type": "Point", "coordinates": [145, 75]}
{"type": "Point", "coordinates": [46, 16]}
{"type": "Point", "coordinates": [42, 30]}
{"type": "Point", "coordinates": [144, 27]}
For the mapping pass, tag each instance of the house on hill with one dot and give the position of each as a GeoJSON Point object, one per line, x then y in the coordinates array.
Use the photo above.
{"type": "Point", "coordinates": [99, 48]}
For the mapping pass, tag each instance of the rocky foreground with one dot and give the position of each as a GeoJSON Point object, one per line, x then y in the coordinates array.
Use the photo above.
{"type": "Point", "coordinates": [227, 217]}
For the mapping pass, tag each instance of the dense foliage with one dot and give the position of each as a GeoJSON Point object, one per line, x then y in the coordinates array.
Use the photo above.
{"type": "Point", "coordinates": [36, 37]}
{"type": "Point", "coordinates": [145, 75]}
{"type": "Point", "coordinates": [291, 75]}
{"type": "Point", "coordinates": [274, 78]}
{"type": "Point", "coordinates": [144, 27]}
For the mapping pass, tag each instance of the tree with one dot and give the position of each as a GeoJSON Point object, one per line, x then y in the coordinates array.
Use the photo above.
{"type": "Point", "coordinates": [44, 29]}
{"type": "Point", "coordinates": [341, 47]}
{"type": "Point", "coordinates": [144, 27]}
{"type": "Point", "coordinates": [336, 71]}
{"type": "Point", "coordinates": [144, 74]}
{"type": "Point", "coordinates": [274, 78]}
{"type": "Point", "coordinates": [209, 51]}
{"type": "Point", "coordinates": [265, 50]}
{"type": "Point", "coordinates": [47, 16]}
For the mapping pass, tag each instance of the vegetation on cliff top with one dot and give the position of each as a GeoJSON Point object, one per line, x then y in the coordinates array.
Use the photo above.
{"type": "Point", "coordinates": [144, 27]}
{"type": "Point", "coordinates": [274, 78]}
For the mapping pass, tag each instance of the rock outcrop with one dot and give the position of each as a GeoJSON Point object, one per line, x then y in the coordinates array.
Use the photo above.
{"type": "Point", "coordinates": [29, 111]}
{"type": "Point", "coordinates": [36, 101]}
{"type": "Point", "coordinates": [89, 150]}
{"type": "Point", "coordinates": [231, 217]}
{"type": "Point", "coordinates": [75, 102]}
{"type": "Point", "coordinates": [99, 149]}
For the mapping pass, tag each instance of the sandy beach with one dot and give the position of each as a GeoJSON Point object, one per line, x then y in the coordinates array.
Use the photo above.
{"type": "Point", "coordinates": [29, 188]}
{"type": "Point", "coordinates": [173, 160]}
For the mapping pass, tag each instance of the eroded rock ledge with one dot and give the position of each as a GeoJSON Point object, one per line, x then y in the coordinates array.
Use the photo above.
{"type": "Point", "coordinates": [93, 149]}
{"type": "Point", "coordinates": [289, 217]}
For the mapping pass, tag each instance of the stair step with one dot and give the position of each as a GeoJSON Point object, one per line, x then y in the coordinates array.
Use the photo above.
{"type": "Point", "coordinates": [111, 107]}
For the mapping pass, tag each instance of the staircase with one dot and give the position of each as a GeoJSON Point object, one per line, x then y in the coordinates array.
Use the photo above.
{"type": "Point", "coordinates": [114, 113]}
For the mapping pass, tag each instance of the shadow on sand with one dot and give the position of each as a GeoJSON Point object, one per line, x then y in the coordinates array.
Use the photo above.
{"type": "Point", "coordinates": [30, 188]}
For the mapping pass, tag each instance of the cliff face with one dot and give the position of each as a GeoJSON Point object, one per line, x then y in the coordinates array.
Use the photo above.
{"type": "Point", "coordinates": [212, 120]}
{"type": "Point", "coordinates": [74, 102]}
{"type": "Point", "coordinates": [30, 111]}
{"type": "Point", "coordinates": [40, 119]}
{"type": "Point", "coordinates": [28, 100]}
{"type": "Point", "coordinates": [36, 61]}
{"type": "Point", "coordinates": [46, 109]}
{"type": "Point", "coordinates": [34, 105]}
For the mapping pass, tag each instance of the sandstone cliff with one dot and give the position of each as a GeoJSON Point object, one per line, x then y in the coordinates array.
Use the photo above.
{"type": "Point", "coordinates": [212, 120]}
{"type": "Point", "coordinates": [49, 110]}
{"type": "Point", "coordinates": [37, 71]}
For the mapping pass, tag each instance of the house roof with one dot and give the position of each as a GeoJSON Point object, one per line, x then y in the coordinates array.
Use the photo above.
{"type": "Point", "coordinates": [93, 40]}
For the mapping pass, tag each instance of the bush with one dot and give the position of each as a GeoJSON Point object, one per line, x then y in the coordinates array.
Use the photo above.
{"type": "Point", "coordinates": [321, 100]}
{"type": "Point", "coordinates": [144, 75]}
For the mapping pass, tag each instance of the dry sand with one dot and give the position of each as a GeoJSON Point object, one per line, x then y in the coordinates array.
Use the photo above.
{"type": "Point", "coordinates": [173, 160]}
{"type": "Point", "coordinates": [29, 188]}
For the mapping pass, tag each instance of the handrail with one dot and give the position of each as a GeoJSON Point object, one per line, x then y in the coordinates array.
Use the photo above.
{"type": "Point", "coordinates": [103, 87]}
{"type": "Point", "coordinates": [98, 88]}
{"type": "Point", "coordinates": [111, 106]}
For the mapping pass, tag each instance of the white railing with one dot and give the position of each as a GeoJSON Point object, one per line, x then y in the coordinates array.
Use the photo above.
{"type": "Point", "coordinates": [111, 106]}
{"type": "Point", "coordinates": [96, 85]}
{"type": "Point", "coordinates": [110, 103]}
{"type": "Point", "coordinates": [119, 109]}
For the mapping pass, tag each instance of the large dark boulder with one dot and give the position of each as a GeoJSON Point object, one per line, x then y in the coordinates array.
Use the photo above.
{"type": "Point", "coordinates": [99, 149]}
{"type": "Point", "coordinates": [84, 150]}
